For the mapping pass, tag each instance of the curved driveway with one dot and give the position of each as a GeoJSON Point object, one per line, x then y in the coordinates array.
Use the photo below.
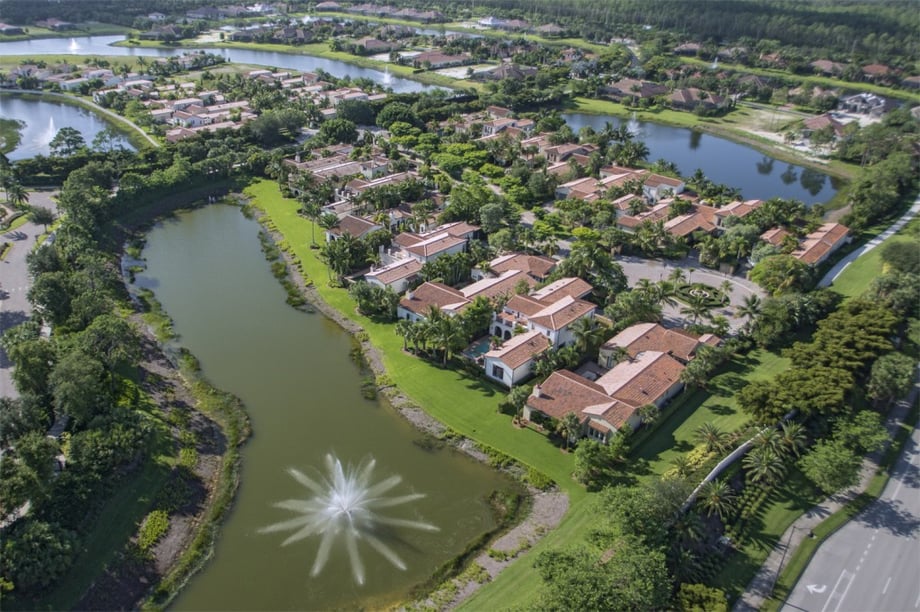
{"type": "Point", "coordinates": [655, 270]}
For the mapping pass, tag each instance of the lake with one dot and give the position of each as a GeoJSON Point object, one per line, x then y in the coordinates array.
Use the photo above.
{"type": "Point", "coordinates": [44, 117]}
{"type": "Point", "coordinates": [757, 175]}
{"type": "Point", "coordinates": [302, 391]}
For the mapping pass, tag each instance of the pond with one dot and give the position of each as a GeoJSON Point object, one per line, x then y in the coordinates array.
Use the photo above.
{"type": "Point", "coordinates": [302, 392]}
{"type": "Point", "coordinates": [101, 45]}
{"type": "Point", "coordinates": [42, 118]}
{"type": "Point", "coordinates": [757, 175]}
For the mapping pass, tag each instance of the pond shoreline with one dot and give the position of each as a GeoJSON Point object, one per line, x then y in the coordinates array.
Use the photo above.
{"type": "Point", "coordinates": [547, 508]}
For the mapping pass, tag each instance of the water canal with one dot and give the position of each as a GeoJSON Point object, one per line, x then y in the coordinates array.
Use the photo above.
{"type": "Point", "coordinates": [302, 391]}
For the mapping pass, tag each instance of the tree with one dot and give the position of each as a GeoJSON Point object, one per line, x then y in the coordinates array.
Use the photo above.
{"type": "Point", "coordinates": [41, 216]}
{"type": "Point", "coordinates": [763, 464]}
{"type": "Point", "coordinates": [569, 427]}
{"type": "Point", "coordinates": [516, 400]}
{"type": "Point", "coordinates": [16, 194]}
{"type": "Point", "coordinates": [35, 555]}
{"type": "Point", "coordinates": [710, 435]}
{"type": "Point", "coordinates": [750, 308]}
{"type": "Point", "coordinates": [648, 413]}
{"type": "Point", "coordinates": [891, 377]}
{"type": "Point", "coordinates": [901, 256]}
{"type": "Point", "coordinates": [631, 576]}
{"type": "Point", "coordinates": [716, 497]}
{"type": "Point", "coordinates": [66, 142]}
{"type": "Point", "coordinates": [338, 131]}
{"type": "Point", "coordinates": [114, 342]}
{"type": "Point", "coordinates": [593, 464]}
{"type": "Point", "coordinates": [781, 274]}
{"type": "Point", "coordinates": [587, 335]}
{"type": "Point", "coordinates": [76, 383]}
{"type": "Point", "coordinates": [831, 466]}
{"type": "Point", "coordinates": [794, 437]}
{"type": "Point", "coordinates": [701, 598]}
{"type": "Point", "coordinates": [863, 432]}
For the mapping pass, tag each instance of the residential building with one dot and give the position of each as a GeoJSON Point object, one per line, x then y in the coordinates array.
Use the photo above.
{"type": "Point", "coordinates": [819, 245]}
{"type": "Point", "coordinates": [512, 362]}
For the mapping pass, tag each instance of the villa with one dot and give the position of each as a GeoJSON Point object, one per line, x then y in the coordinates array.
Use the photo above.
{"type": "Point", "coordinates": [512, 362]}
{"type": "Point", "coordinates": [678, 343]}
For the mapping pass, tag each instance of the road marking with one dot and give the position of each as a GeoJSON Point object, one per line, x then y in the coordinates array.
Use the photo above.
{"type": "Point", "coordinates": [887, 582]}
{"type": "Point", "coordinates": [917, 603]}
{"type": "Point", "coordinates": [816, 588]}
{"type": "Point", "coordinates": [844, 575]}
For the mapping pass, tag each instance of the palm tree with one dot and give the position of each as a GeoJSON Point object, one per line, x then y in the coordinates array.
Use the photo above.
{"type": "Point", "coordinates": [648, 413]}
{"type": "Point", "coordinates": [586, 334]}
{"type": "Point", "coordinates": [568, 428]}
{"type": "Point", "coordinates": [770, 438]}
{"type": "Point", "coordinates": [16, 194]}
{"type": "Point", "coordinates": [682, 466]}
{"type": "Point", "coordinates": [750, 308]}
{"type": "Point", "coordinates": [710, 435]}
{"type": "Point", "coordinates": [696, 309]}
{"type": "Point", "coordinates": [667, 293]}
{"type": "Point", "coordinates": [716, 497]}
{"type": "Point", "coordinates": [727, 287]}
{"type": "Point", "coordinates": [794, 437]}
{"type": "Point", "coordinates": [677, 276]}
{"type": "Point", "coordinates": [763, 465]}
{"type": "Point", "coordinates": [403, 329]}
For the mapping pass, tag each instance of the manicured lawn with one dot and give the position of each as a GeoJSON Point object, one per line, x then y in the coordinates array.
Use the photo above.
{"type": "Point", "coordinates": [792, 498]}
{"type": "Point", "coordinates": [469, 406]}
{"type": "Point", "coordinates": [859, 275]}
{"type": "Point", "coordinates": [466, 405]}
{"type": "Point", "coordinates": [716, 405]}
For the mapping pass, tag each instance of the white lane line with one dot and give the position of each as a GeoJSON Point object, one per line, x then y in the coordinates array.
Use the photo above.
{"type": "Point", "coordinates": [845, 591]}
{"type": "Point", "coordinates": [887, 582]}
{"type": "Point", "coordinates": [917, 603]}
{"type": "Point", "coordinates": [844, 575]}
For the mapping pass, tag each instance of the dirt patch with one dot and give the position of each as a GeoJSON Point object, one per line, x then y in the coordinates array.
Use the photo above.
{"type": "Point", "coordinates": [128, 579]}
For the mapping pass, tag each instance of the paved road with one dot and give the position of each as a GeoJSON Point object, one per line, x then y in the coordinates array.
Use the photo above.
{"type": "Point", "coordinates": [15, 282]}
{"type": "Point", "coordinates": [841, 265]}
{"type": "Point", "coordinates": [873, 562]}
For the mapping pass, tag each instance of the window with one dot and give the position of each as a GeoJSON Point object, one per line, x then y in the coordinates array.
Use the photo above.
{"type": "Point", "coordinates": [498, 371]}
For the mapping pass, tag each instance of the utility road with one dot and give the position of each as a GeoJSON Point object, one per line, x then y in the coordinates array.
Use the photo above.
{"type": "Point", "coordinates": [873, 562]}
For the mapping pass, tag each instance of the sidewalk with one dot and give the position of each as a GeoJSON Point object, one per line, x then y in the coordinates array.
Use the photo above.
{"type": "Point", "coordinates": [761, 587]}
{"type": "Point", "coordinates": [841, 265]}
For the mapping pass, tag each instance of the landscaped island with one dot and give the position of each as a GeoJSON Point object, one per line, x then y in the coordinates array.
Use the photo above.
{"type": "Point", "coordinates": [604, 327]}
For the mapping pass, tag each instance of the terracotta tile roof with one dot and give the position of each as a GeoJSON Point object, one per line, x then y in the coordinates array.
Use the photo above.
{"type": "Point", "coordinates": [396, 271]}
{"type": "Point", "coordinates": [818, 244]}
{"type": "Point", "coordinates": [657, 180]}
{"type": "Point", "coordinates": [644, 337]}
{"type": "Point", "coordinates": [684, 225]}
{"type": "Point", "coordinates": [565, 392]}
{"type": "Point", "coordinates": [738, 208]}
{"type": "Point", "coordinates": [434, 245]}
{"type": "Point", "coordinates": [561, 313]}
{"type": "Point", "coordinates": [524, 304]}
{"type": "Point", "coordinates": [520, 349]}
{"type": "Point", "coordinates": [433, 294]}
{"type": "Point", "coordinates": [644, 380]}
{"type": "Point", "coordinates": [615, 414]}
{"type": "Point", "coordinates": [775, 236]}
{"type": "Point", "coordinates": [537, 266]}
{"type": "Point", "coordinates": [354, 226]}
{"type": "Point", "coordinates": [494, 287]}
{"type": "Point", "coordinates": [569, 286]}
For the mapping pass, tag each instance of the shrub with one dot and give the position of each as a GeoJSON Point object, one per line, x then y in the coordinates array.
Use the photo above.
{"type": "Point", "coordinates": [154, 527]}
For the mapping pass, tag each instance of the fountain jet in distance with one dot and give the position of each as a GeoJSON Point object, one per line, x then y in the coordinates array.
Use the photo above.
{"type": "Point", "coordinates": [345, 504]}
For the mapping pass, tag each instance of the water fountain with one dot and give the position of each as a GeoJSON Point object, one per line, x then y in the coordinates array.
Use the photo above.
{"type": "Point", "coordinates": [46, 136]}
{"type": "Point", "coordinates": [74, 46]}
{"type": "Point", "coordinates": [345, 504]}
{"type": "Point", "coordinates": [715, 64]}
{"type": "Point", "coordinates": [633, 126]}
{"type": "Point", "coordinates": [387, 78]}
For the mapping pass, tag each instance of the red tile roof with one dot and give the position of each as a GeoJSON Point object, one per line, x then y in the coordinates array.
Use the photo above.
{"type": "Point", "coordinates": [520, 349]}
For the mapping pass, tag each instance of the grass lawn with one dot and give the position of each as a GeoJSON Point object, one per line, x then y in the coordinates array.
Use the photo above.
{"type": "Point", "coordinates": [793, 497]}
{"type": "Point", "coordinates": [859, 275]}
{"type": "Point", "coordinates": [117, 522]}
{"type": "Point", "coordinates": [716, 405]}
{"type": "Point", "coordinates": [466, 405]}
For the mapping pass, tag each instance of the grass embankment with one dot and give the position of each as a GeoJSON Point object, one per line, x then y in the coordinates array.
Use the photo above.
{"type": "Point", "coordinates": [470, 407]}
{"type": "Point", "coordinates": [857, 277]}
{"type": "Point", "coordinates": [118, 519]}
{"type": "Point", "coordinates": [80, 29]}
{"type": "Point", "coordinates": [138, 138]}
